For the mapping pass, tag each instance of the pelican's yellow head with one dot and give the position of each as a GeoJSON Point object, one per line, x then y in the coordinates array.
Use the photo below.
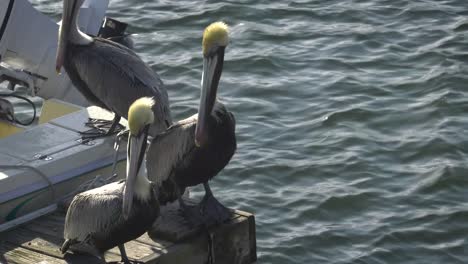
{"type": "Point", "coordinates": [140, 117]}
{"type": "Point", "coordinates": [140, 114]}
{"type": "Point", "coordinates": [215, 40]}
{"type": "Point", "coordinates": [215, 35]}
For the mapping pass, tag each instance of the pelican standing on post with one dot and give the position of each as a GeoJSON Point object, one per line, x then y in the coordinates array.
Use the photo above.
{"type": "Point", "coordinates": [194, 150]}
{"type": "Point", "coordinates": [100, 219]}
{"type": "Point", "coordinates": [108, 74]}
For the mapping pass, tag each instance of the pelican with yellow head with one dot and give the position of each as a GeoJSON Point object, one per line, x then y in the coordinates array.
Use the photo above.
{"type": "Point", "coordinates": [215, 41]}
{"type": "Point", "coordinates": [194, 150]}
{"type": "Point", "coordinates": [102, 218]}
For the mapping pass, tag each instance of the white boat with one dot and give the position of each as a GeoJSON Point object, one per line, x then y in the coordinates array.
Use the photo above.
{"type": "Point", "coordinates": [43, 163]}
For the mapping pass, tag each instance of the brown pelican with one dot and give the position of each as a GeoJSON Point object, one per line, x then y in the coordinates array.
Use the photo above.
{"type": "Point", "coordinates": [109, 216]}
{"type": "Point", "coordinates": [194, 150]}
{"type": "Point", "coordinates": [108, 74]}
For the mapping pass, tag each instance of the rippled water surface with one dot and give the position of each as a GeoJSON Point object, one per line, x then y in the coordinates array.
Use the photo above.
{"type": "Point", "coordinates": [352, 119]}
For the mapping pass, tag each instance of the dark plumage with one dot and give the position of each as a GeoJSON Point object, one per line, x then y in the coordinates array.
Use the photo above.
{"type": "Point", "coordinates": [191, 165]}
{"type": "Point", "coordinates": [203, 163]}
{"type": "Point", "coordinates": [112, 76]}
{"type": "Point", "coordinates": [108, 74]}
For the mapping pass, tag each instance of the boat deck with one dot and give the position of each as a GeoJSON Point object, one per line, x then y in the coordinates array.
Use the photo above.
{"type": "Point", "coordinates": [174, 242]}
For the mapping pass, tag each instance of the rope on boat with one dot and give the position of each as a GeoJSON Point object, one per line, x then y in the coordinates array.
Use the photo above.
{"type": "Point", "coordinates": [93, 183]}
{"type": "Point", "coordinates": [36, 170]}
{"type": "Point", "coordinates": [30, 216]}
{"type": "Point", "coordinates": [118, 141]}
{"type": "Point", "coordinates": [99, 180]}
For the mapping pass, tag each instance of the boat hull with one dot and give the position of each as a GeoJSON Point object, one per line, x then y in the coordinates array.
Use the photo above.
{"type": "Point", "coordinates": [45, 164]}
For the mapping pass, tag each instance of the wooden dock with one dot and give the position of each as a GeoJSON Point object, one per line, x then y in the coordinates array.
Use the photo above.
{"type": "Point", "coordinates": [169, 241]}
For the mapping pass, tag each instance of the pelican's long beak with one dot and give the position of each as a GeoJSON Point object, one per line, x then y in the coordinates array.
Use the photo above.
{"type": "Point", "coordinates": [70, 9]}
{"type": "Point", "coordinates": [212, 69]}
{"type": "Point", "coordinates": [135, 155]}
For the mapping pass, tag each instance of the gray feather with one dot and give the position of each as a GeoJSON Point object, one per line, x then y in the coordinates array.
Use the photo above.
{"type": "Point", "coordinates": [117, 77]}
{"type": "Point", "coordinates": [168, 149]}
{"type": "Point", "coordinates": [93, 211]}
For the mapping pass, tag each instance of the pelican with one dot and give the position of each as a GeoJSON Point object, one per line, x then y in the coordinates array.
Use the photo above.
{"type": "Point", "coordinates": [108, 74]}
{"type": "Point", "coordinates": [194, 150]}
{"type": "Point", "coordinates": [109, 216]}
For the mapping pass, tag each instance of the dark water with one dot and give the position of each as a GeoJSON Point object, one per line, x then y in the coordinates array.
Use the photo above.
{"type": "Point", "coordinates": [351, 119]}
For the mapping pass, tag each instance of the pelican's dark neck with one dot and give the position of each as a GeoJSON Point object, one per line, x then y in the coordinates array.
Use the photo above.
{"type": "Point", "coordinates": [216, 105]}
{"type": "Point", "coordinates": [76, 35]}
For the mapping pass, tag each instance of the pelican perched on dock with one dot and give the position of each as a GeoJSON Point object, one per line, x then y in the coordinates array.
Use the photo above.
{"type": "Point", "coordinates": [108, 74]}
{"type": "Point", "coordinates": [194, 150]}
{"type": "Point", "coordinates": [100, 219]}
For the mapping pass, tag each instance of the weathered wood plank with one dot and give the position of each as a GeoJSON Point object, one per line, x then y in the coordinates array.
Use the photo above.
{"type": "Point", "coordinates": [227, 243]}
{"type": "Point", "coordinates": [171, 225]}
{"type": "Point", "coordinates": [34, 241]}
{"type": "Point", "coordinates": [51, 225]}
{"type": "Point", "coordinates": [252, 233]}
{"type": "Point", "coordinates": [135, 251]}
{"type": "Point", "coordinates": [56, 232]}
{"type": "Point", "coordinates": [159, 243]}
{"type": "Point", "coordinates": [232, 242]}
{"type": "Point", "coordinates": [47, 245]}
{"type": "Point", "coordinates": [50, 245]}
{"type": "Point", "coordinates": [37, 238]}
{"type": "Point", "coordinates": [11, 253]}
{"type": "Point", "coordinates": [193, 251]}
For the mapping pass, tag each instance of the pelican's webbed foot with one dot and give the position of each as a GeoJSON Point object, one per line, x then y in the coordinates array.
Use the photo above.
{"type": "Point", "coordinates": [191, 214]}
{"type": "Point", "coordinates": [213, 212]}
{"type": "Point", "coordinates": [101, 128]}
